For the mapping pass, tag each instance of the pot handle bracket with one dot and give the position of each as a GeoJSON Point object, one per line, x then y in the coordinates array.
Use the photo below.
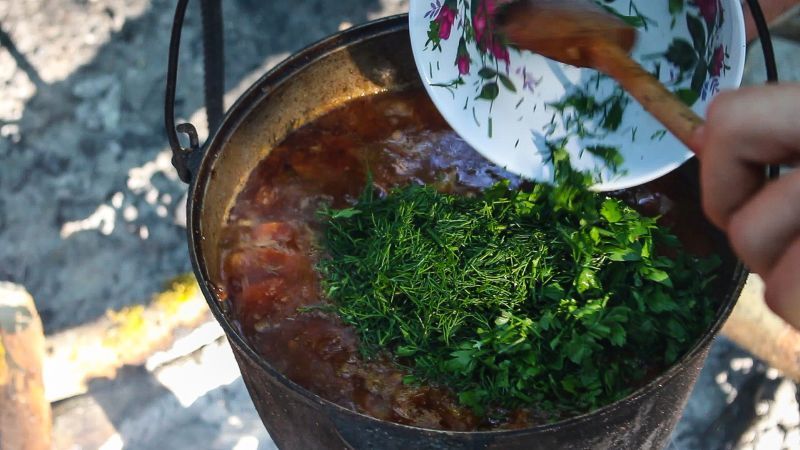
{"type": "Point", "coordinates": [186, 160]}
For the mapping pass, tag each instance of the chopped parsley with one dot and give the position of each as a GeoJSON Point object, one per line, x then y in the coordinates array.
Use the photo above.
{"type": "Point", "coordinates": [552, 296]}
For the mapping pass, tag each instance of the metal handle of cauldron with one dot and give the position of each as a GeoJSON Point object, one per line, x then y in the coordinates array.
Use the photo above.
{"type": "Point", "coordinates": [187, 159]}
{"type": "Point", "coordinates": [769, 59]}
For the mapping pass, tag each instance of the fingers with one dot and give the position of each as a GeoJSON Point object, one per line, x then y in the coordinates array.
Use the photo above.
{"type": "Point", "coordinates": [745, 130]}
{"type": "Point", "coordinates": [757, 115]}
{"type": "Point", "coordinates": [727, 183]}
{"type": "Point", "coordinates": [783, 286]}
{"type": "Point", "coordinates": [760, 229]}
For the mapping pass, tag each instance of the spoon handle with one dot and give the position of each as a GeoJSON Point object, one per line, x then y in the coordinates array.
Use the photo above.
{"type": "Point", "coordinates": [654, 97]}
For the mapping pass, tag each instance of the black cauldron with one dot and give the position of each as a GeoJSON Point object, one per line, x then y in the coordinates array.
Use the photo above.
{"type": "Point", "coordinates": [367, 60]}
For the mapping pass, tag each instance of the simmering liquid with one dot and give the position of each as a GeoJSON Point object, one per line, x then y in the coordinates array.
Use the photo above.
{"type": "Point", "coordinates": [272, 243]}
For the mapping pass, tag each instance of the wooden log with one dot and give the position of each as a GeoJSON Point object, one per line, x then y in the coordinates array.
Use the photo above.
{"type": "Point", "coordinates": [25, 420]}
{"type": "Point", "coordinates": [775, 11]}
{"type": "Point", "coordinates": [788, 25]}
{"type": "Point", "coordinates": [754, 327]}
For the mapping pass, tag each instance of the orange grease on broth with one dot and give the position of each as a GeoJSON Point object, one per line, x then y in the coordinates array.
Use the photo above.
{"type": "Point", "coordinates": [271, 245]}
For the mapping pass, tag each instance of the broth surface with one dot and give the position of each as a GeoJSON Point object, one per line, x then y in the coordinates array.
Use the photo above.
{"type": "Point", "coordinates": [271, 244]}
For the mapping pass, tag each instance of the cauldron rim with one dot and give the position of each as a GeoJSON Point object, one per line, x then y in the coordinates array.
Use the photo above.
{"type": "Point", "coordinates": [238, 114]}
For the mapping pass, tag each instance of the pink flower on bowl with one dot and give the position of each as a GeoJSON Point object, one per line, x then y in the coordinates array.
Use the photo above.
{"type": "Point", "coordinates": [463, 61]}
{"type": "Point", "coordinates": [485, 36]}
{"type": "Point", "coordinates": [708, 9]}
{"type": "Point", "coordinates": [500, 51]}
{"type": "Point", "coordinates": [482, 23]}
{"type": "Point", "coordinates": [462, 58]}
{"type": "Point", "coordinates": [717, 61]}
{"type": "Point", "coordinates": [445, 19]}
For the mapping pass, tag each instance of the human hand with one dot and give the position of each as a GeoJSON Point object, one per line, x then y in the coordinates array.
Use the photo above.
{"type": "Point", "coordinates": [745, 131]}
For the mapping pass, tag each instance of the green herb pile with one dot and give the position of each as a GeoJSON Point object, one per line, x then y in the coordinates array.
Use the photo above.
{"type": "Point", "coordinates": [552, 297]}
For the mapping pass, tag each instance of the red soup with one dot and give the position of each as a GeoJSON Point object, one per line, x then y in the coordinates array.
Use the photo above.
{"type": "Point", "coordinates": [271, 246]}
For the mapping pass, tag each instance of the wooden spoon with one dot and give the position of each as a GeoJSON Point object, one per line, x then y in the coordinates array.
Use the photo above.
{"type": "Point", "coordinates": [580, 33]}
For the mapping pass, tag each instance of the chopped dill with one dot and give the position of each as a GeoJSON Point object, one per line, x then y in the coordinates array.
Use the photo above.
{"type": "Point", "coordinates": [551, 296]}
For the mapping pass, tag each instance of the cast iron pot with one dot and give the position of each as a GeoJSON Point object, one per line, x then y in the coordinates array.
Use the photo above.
{"type": "Point", "coordinates": [362, 61]}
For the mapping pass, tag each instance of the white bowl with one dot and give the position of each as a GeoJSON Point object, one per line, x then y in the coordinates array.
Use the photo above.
{"type": "Point", "coordinates": [500, 100]}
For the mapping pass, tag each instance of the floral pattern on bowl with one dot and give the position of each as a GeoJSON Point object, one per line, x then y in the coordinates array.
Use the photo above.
{"type": "Point", "coordinates": [512, 105]}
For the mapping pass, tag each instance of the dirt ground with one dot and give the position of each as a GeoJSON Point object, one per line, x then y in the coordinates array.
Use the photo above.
{"type": "Point", "coordinates": [92, 211]}
{"type": "Point", "coordinates": [92, 214]}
